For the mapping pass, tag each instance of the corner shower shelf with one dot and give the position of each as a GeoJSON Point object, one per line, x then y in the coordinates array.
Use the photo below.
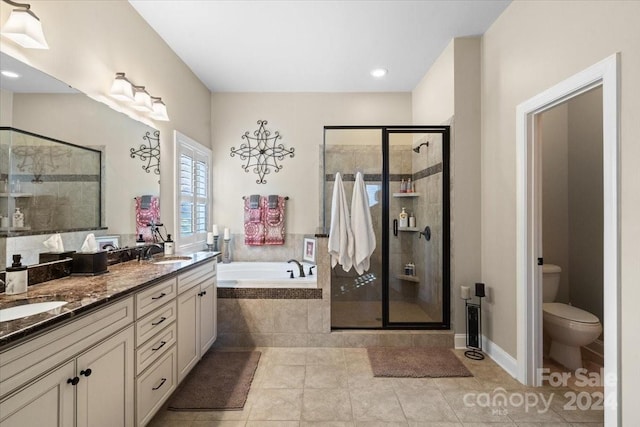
{"type": "Point", "coordinates": [414, 194]}
{"type": "Point", "coordinates": [408, 229]}
{"type": "Point", "coordinates": [408, 278]}
{"type": "Point", "coordinates": [16, 195]}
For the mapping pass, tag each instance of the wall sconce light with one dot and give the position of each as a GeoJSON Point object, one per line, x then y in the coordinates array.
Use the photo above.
{"type": "Point", "coordinates": [24, 27]}
{"type": "Point", "coordinates": [122, 88]}
{"type": "Point", "coordinates": [138, 98]}
{"type": "Point", "coordinates": [159, 110]}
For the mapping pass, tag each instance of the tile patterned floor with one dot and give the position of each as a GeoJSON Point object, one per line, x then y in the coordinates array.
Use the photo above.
{"type": "Point", "coordinates": [334, 387]}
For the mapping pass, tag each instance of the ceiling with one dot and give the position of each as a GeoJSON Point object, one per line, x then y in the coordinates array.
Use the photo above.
{"type": "Point", "coordinates": [314, 46]}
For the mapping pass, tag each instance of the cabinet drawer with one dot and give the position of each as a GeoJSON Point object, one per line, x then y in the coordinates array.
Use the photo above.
{"type": "Point", "coordinates": [155, 386]}
{"type": "Point", "coordinates": [26, 361]}
{"type": "Point", "coordinates": [155, 322]}
{"type": "Point", "coordinates": [155, 347]}
{"type": "Point", "coordinates": [152, 298]}
{"type": "Point", "coordinates": [193, 277]}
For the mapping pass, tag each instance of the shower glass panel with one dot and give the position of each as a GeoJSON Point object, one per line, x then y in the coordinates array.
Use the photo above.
{"type": "Point", "coordinates": [407, 284]}
{"type": "Point", "coordinates": [356, 300]}
{"type": "Point", "coordinates": [415, 281]}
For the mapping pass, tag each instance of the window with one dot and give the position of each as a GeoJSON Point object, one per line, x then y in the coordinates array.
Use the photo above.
{"type": "Point", "coordinates": [192, 192]}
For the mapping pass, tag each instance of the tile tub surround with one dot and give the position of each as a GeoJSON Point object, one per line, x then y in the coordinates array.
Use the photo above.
{"type": "Point", "coordinates": [336, 387]}
{"type": "Point", "coordinates": [292, 249]}
{"type": "Point", "coordinates": [270, 321]}
{"type": "Point", "coordinates": [83, 293]}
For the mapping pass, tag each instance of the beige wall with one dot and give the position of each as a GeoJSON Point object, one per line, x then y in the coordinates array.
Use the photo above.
{"type": "Point", "coordinates": [92, 40]}
{"type": "Point", "coordinates": [530, 47]}
{"type": "Point", "coordinates": [299, 117]}
{"type": "Point", "coordinates": [451, 88]}
{"type": "Point", "coordinates": [555, 193]}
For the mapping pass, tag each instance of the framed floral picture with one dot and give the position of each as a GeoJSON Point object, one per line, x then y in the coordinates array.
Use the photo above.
{"type": "Point", "coordinates": [309, 250]}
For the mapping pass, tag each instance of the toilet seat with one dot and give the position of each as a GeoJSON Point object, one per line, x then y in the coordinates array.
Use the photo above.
{"type": "Point", "coordinates": [568, 312]}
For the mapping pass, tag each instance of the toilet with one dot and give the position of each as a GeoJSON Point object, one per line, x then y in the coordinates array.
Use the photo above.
{"type": "Point", "coordinates": [568, 327]}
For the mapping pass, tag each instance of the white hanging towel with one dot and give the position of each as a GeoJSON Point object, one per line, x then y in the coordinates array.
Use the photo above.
{"type": "Point", "coordinates": [340, 235]}
{"type": "Point", "coordinates": [361, 225]}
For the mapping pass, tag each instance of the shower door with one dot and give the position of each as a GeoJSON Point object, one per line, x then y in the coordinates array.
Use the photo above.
{"type": "Point", "coordinates": [417, 218]}
{"type": "Point", "coordinates": [407, 283]}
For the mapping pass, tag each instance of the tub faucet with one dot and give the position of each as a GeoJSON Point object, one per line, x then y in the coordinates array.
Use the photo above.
{"type": "Point", "coordinates": [300, 267]}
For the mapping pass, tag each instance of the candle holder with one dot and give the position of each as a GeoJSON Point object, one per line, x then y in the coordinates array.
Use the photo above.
{"type": "Point", "coordinates": [215, 243]}
{"type": "Point", "coordinates": [209, 247]}
{"type": "Point", "coordinates": [226, 251]}
{"type": "Point", "coordinates": [473, 314]}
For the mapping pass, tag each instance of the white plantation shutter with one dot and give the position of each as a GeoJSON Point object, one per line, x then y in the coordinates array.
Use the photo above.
{"type": "Point", "coordinates": [193, 184]}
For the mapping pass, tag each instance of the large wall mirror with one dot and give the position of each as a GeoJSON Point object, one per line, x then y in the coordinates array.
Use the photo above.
{"type": "Point", "coordinates": [41, 105]}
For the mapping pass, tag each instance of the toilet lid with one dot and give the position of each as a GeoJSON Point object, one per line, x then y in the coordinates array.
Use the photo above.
{"type": "Point", "coordinates": [569, 312]}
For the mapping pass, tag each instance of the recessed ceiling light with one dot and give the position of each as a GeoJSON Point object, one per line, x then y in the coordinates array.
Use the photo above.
{"type": "Point", "coordinates": [378, 72]}
{"type": "Point", "coordinates": [10, 74]}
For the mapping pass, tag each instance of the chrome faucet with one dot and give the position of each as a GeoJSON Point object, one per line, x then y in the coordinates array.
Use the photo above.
{"type": "Point", "coordinates": [145, 251]}
{"type": "Point", "coordinates": [300, 267]}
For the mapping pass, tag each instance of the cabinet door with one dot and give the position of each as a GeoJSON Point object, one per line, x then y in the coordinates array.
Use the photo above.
{"type": "Point", "coordinates": [188, 331]}
{"type": "Point", "coordinates": [207, 314]}
{"type": "Point", "coordinates": [47, 402]}
{"type": "Point", "coordinates": [105, 391]}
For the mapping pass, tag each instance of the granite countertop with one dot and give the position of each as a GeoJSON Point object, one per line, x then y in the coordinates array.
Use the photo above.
{"type": "Point", "coordinates": [85, 293]}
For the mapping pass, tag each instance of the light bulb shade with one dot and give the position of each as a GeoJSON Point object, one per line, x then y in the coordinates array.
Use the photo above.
{"type": "Point", "coordinates": [24, 28]}
{"type": "Point", "coordinates": [142, 101]}
{"type": "Point", "coordinates": [121, 88]}
{"type": "Point", "coordinates": [159, 110]}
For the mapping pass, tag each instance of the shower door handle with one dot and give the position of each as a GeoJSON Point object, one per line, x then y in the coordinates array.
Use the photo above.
{"type": "Point", "coordinates": [395, 227]}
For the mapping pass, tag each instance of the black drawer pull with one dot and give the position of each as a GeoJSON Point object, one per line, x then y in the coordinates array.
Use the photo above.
{"type": "Point", "coordinates": [162, 319]}
{"type": "Point", "coordinates": [73, 381]}
{"type": "Point", "coordinates": [164, 380]}
{"type": "Point", "coordinates": [85, 372]}
{"type": "Point", "coordinates": [159, 296]}
{"type": "Point", "coordinates": [162, 343]}
{"type": "Point", "coordinates": [203, 293]}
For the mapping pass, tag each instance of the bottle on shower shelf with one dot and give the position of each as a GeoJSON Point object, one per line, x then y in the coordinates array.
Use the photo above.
{"type": "Point", "coordinates": [412, 220]}
{"type": "Point", "coordinates": [409, 186]}
{"type": "Point", "coordinates": [404, 218]}
{"type": "Point", "coordinates": [403, 186]}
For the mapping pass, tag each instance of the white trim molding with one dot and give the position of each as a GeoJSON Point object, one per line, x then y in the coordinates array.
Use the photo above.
{"type": "Point", "coordinates": [529, 275]}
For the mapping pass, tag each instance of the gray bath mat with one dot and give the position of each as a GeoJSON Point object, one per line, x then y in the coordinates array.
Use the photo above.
{"type": "Point", "coordinates": [220, 381]}
{"type": "Point", "coordinates": [416, 362]}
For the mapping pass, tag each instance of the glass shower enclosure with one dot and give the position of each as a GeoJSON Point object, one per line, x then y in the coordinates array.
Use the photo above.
{"type": "Point", "coordinates": [406, 175]}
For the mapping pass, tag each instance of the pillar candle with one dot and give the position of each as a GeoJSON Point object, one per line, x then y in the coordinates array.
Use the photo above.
{"type": "Point", "coordinates": [227, 236]}
{"type": "Point", "coordinates": [465, 292]}
{"type": "Point", "coordinates": [209, 238]}
{"type": "Point", "coordinates": [215, 230]}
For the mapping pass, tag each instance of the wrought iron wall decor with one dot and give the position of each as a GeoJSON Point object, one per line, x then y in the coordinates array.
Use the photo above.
{"type": "Point", "coordinates": [38, 160]}
{"type": "Point", "coordinates": [262, 152]}
{"type": "Point", "coordinates": [149, 154]}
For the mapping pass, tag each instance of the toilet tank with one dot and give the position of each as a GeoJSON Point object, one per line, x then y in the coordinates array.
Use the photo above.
{"type": "Point", "coordinates": [550, 282]}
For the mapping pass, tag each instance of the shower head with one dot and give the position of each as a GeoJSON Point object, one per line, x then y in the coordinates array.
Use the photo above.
{"type": "Point", "coordinates": [417, 149]}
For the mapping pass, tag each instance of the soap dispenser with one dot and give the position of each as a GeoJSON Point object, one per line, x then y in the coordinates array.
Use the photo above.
{"type": "Point", "coordinates": [16, 277]}
{"type": "Point", "coordinates": [140, 240]}
{"type": "Point", "coordinates": [168, 246]}
{"type": "Point", "coordinates": [18, 219]}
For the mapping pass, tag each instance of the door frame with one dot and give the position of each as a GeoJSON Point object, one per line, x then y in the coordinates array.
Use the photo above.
{"type": "Point", "coordinates": [529, 275]}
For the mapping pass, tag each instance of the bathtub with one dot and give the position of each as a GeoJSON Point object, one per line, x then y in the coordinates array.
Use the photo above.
{"type": "Point", "coordinates": [264, 275]}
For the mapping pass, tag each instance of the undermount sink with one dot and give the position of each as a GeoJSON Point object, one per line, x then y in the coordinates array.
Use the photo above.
{"type": "Point", "coordinates": [20, 311]}
{"type": "Point", "coordinates": [172, 259]}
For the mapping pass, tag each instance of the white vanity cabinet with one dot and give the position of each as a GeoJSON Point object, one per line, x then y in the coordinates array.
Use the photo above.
{"type": "Point", "coordinates": [197, 317]}
{"type": "Point", "coordinates": [73, 375]}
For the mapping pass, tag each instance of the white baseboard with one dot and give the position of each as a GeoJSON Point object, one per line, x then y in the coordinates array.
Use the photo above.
{"type": "Point", "coordinates": [494, 351]}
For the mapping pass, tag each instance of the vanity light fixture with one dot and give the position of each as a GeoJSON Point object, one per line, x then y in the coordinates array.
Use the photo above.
{"type": "Point", "coordinates": [122, 88]}
{"type": "Point", "coordinates": [159, 110]}
{"type": "Point", "coordinates": [137, 98]}
{"type": "Point", "coordinates": [142, 100]}
{"type": "Point", "coordinates": [24, 27]}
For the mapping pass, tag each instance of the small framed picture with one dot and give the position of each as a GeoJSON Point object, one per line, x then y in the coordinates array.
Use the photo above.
{"type": "Point", "coordinates": [309, 250]}
{"type": "Point", "coordinates": [111, 242]}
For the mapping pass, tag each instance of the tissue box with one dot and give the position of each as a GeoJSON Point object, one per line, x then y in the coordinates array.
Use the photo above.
{"type": "Point", "coordinates": [89, 264]}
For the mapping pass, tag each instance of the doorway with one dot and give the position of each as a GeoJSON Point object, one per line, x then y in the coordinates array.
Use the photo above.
{"type": "Point", "coordinates": [529, 228]}
{"type": "Point", "coordinates": [406, 177]}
